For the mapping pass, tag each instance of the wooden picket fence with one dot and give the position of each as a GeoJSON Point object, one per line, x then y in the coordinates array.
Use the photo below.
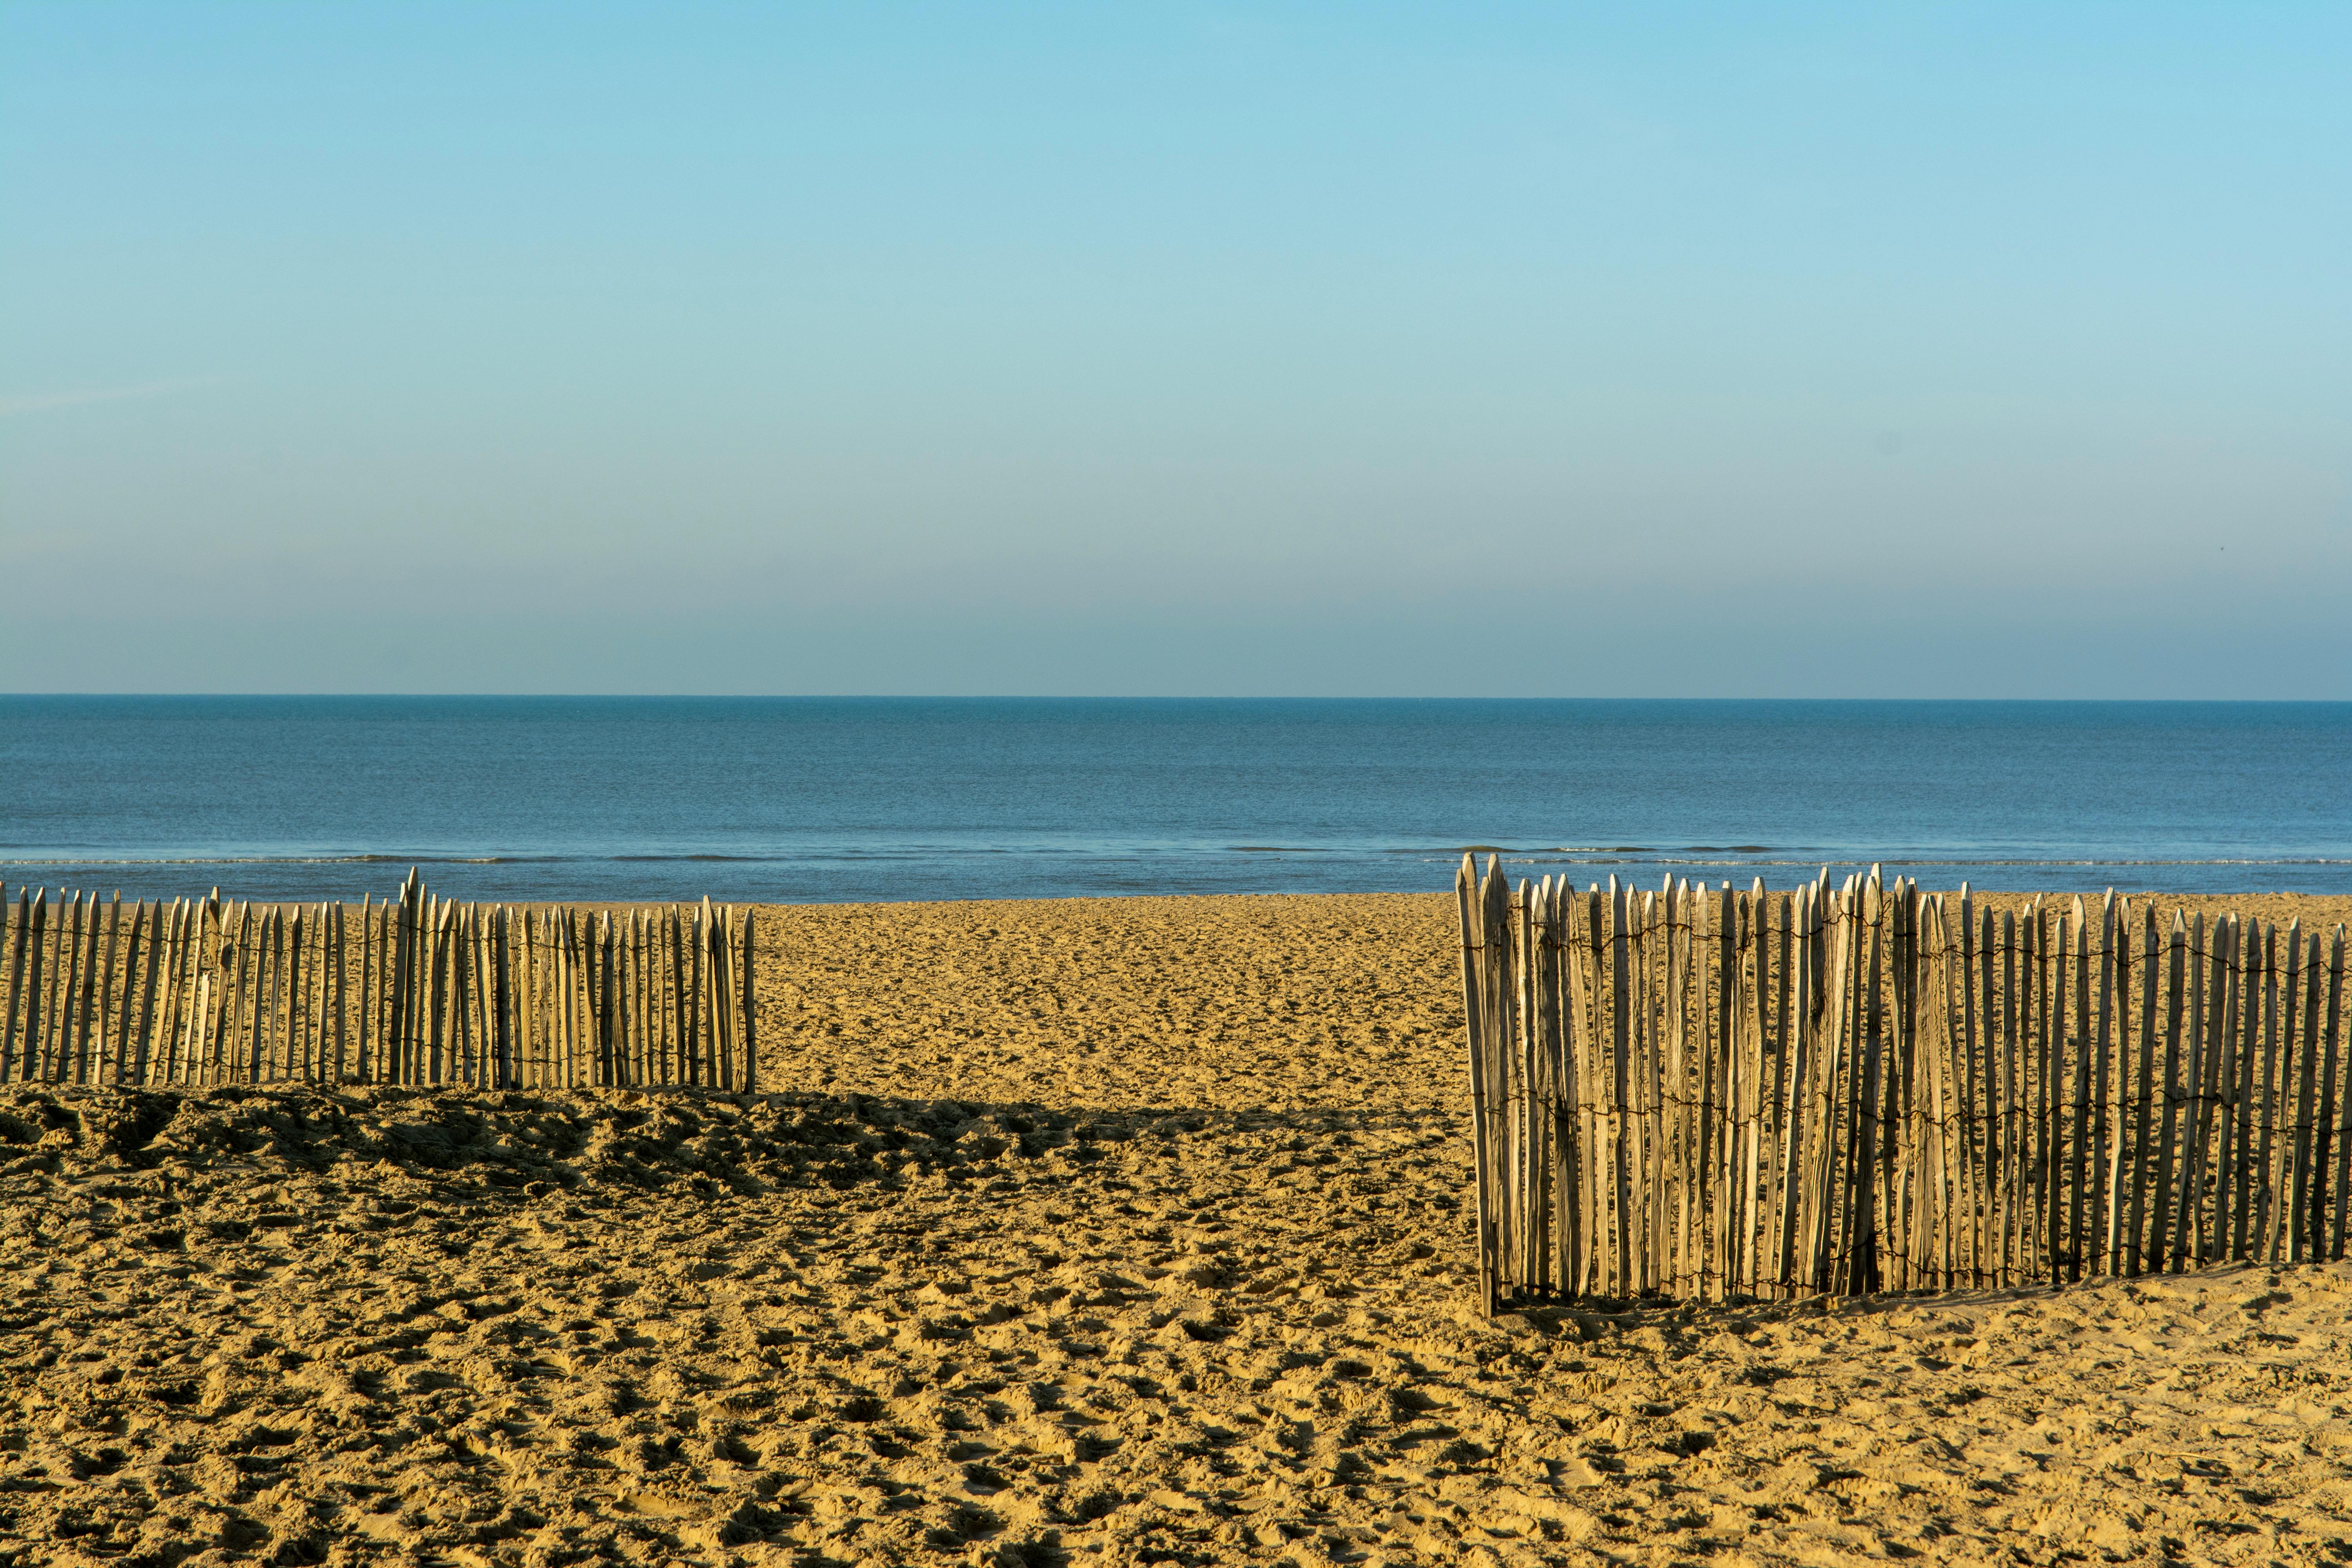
{"type": "Point", "coordinates": [1702, 1092]}
{"type": "Point", "coordinates": [418, 991]}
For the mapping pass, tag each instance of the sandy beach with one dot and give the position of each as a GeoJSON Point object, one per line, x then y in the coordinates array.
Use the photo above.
{"type": "Point", "coordinates": [1084, 1232]}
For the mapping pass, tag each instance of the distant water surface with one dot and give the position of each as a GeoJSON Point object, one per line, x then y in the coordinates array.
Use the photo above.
{"type": "Point", "coordinates": [799, 799]}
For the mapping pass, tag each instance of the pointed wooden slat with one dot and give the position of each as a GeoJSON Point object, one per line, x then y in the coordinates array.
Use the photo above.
{"type": "Point", "coordinates": [1899, 1257]}
{"type": "Point", "coordinates": [2235, 1062]}
{"type": "Point", "coordinates": [531, 1035]}
{"type": "Point", "coordinates": [2335, 1105]}
{"type": "Point", "coordinates": [15, 1031]}
{"type": "Point", "coordinates": [285, 1062]}
{"type": "Point", "coordinates": [1520, 1193]}
{"type": "Point", "coordinates": [1923, 1128]}
{"type": "Point", "coordinates": [1716, 1004]}
{"type": "Point", "coordinates": [1811, 1102]}
{"type": "Point", "coordinates": [1852, 1224]}
{"type": "Point", "coordinates": [2143, 1246]}
{"type": "Point", "coordinates": [693, 1059]}
{"type": "Point", "coordinates": [723, 993]}
{"type": "Point", "coordinates": [58, 1052]}
{"type": "Point", "coordinates": [682, 927]}
{"type": "Point", "coordinates": [606, 974]}
{"type": "Point", "coordinates": [573, 957]}
{"type": "Point", "coordinates": [209, 965]}
{"type": "Point", "coordinates": [293, 1050]}
{"type": "Point", "coordinates": [2003, 1029]}
{"type": "Point", "coordinates": [1844, 1101]}
{"type": "Point", "coordinates": [208, 947]}
{"type": "Point", "coordinates": [1649, 987]}
{"type": "Point", "coordinates": [1930, 1050]}
{"type": "Point", "coordinates": [1577, 1038]}
{"type": "Point", "coordinates": [559, 959]}
{"type": "Point", "coordinates": [163, 976]}
{"type": "Point", "coordinates": [1798, 968]}
{"type": "Point", "coordinates": [2279, 999]}
{"type": "Point", "coordinates": [579, 1039]}
{"type": "Point", "coordinates": [1567, 1170]}
{"type": "Point", "coordinates": [2261, 1063]}
{"type": "Point", "coordinates": [326, 1002]}
{"type": "Point", "coordinates": [2176, 1186]}
{"type": "Point", "coordinates": [1535, 1171]}
{"type": "Point", "coordinates": [482, 920]}
{"type": "Point", "coordinates": [463, 990]}
{"type": "Point", "coordinates": [1505, 1103]}
{"type": "Point", "coordinates": [174, 1039]}
{"type": "Point", "coordinates": [2304, 962]}
{"type": "Point", "coordinates": [1518, 1233]}
{"type": "Point", "coordinates": [1728, 1024]}
{"type": "Point", "coordinates": [1539, 1186]}
{"type": "Point", "coordinates": [55, 956]}
{"type": "Point", "coordinates": [184, 933]}
{"type": "Point", "coordinates": [269, 995]}
{"type": "Point", "coordinates": [267, 988]}
{"type": "Point", "coordinates": [2110, 1088]}
{"type": "Point", "coordinates": [1954, 1183]}
{"type": "Point", "coordinates": [1860, 1178]}
{"type": "Point", "coordinates": [633, 1022]}
{"type": "Point", "coordinates": [736, 1001]}
{"type": "Point", "coordinates": [303, 1006]}
{"type": "Point", "coordinates": [2283, 999]}
{"type": "Point", "coordinates": [1906, 1208]}
{"type": "Point", "coordinates": [481, 1017]}
{"type": "Point", "coordinates": [723, 1012]}
{"type": "Point", "coordinates": [498, 1072]}
{"type": "Point", "coordinates": [1676, 1105]}
{"type": "Point", "coordinates": [105, 993]}
{"type": "Point", "coordinates": [2255, 1010]}
{"type": "Point", "coordinates": [2076, 1139]}
{"type": "Point", "coordinates": [216, 965]}
{"type": "Point", "coordinates": [530, 1022]}
{"type": "Point", "coordinates": [195, 921]}
{"type": "Point", "coordinates": [138, 995]}
{"type": "Point", "coordinates": [75, 1065]}
{"type": "Point", "coordinates": [368, 1051]}
{"type": "Point", "coordinates": [1967, 1094]}
{"type": "Point", "coordinates": [1823, 1101]}
{"type": "Point", "coordinates": [396, 993]}
{"type": "Point", "coordinates": [1991, 1128]}
{"type": "Point", "coordinates": [661, 1015]}
{"type": "Point", "coordinates": [341, 1073]}
{"type": "Point", "coordinates": [2048, 1019]}
{"type": "Point", "coordinates": [482, 994]}
{"type": "Point", "coordinates": [1473, 982]}
{"type": "Point", "coordinates": [550, 979]}
{"type": "Point", "coordinates": [1755, 1104]}
{"type": "Point", "coordinates": [66, 969]}
{"type": "Point", "coordinates": [2203, 1207]}
{"type": "Point", "coordinates": [228, 1034]}
{"type": "Point", "coordinates": [440, 1059]}
{"type": "Point", "coordinates": [147, 1047]}
{"type": "Point", "coordinates": [747, 1067]}
{"type": "Point", "coordinates": [243, 985]}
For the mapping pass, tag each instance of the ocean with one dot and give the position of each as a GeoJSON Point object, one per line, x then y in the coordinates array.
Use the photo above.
{"type": "Point", "coordinates": [832, 799]}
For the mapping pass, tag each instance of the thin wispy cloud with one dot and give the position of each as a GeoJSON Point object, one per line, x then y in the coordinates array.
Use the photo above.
{"type": "Point", "coordinates": [41, 402]}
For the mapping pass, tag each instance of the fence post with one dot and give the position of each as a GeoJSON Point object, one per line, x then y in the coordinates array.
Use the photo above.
{"type": "Point", "coordinates": [1472, 988]}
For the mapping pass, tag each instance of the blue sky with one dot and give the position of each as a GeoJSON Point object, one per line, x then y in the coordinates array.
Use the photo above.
{"type": "Point", "coordinates": [1735, 351]}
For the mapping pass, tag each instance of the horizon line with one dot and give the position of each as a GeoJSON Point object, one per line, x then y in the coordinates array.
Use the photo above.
{"type": "Point", "coordinates": [1100, 697]}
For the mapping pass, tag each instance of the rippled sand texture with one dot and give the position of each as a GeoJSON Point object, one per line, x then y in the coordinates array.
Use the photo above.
{"type": "Point", "coordinates": [1083, 1233]}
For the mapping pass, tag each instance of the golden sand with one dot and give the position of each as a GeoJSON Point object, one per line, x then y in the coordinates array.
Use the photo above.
{"type": "Point", "coordinates": [1087, 1232]}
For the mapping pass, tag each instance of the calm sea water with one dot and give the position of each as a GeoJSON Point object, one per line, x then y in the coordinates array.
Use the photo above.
{"type": "Point", "coordinates": [829, 799]}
